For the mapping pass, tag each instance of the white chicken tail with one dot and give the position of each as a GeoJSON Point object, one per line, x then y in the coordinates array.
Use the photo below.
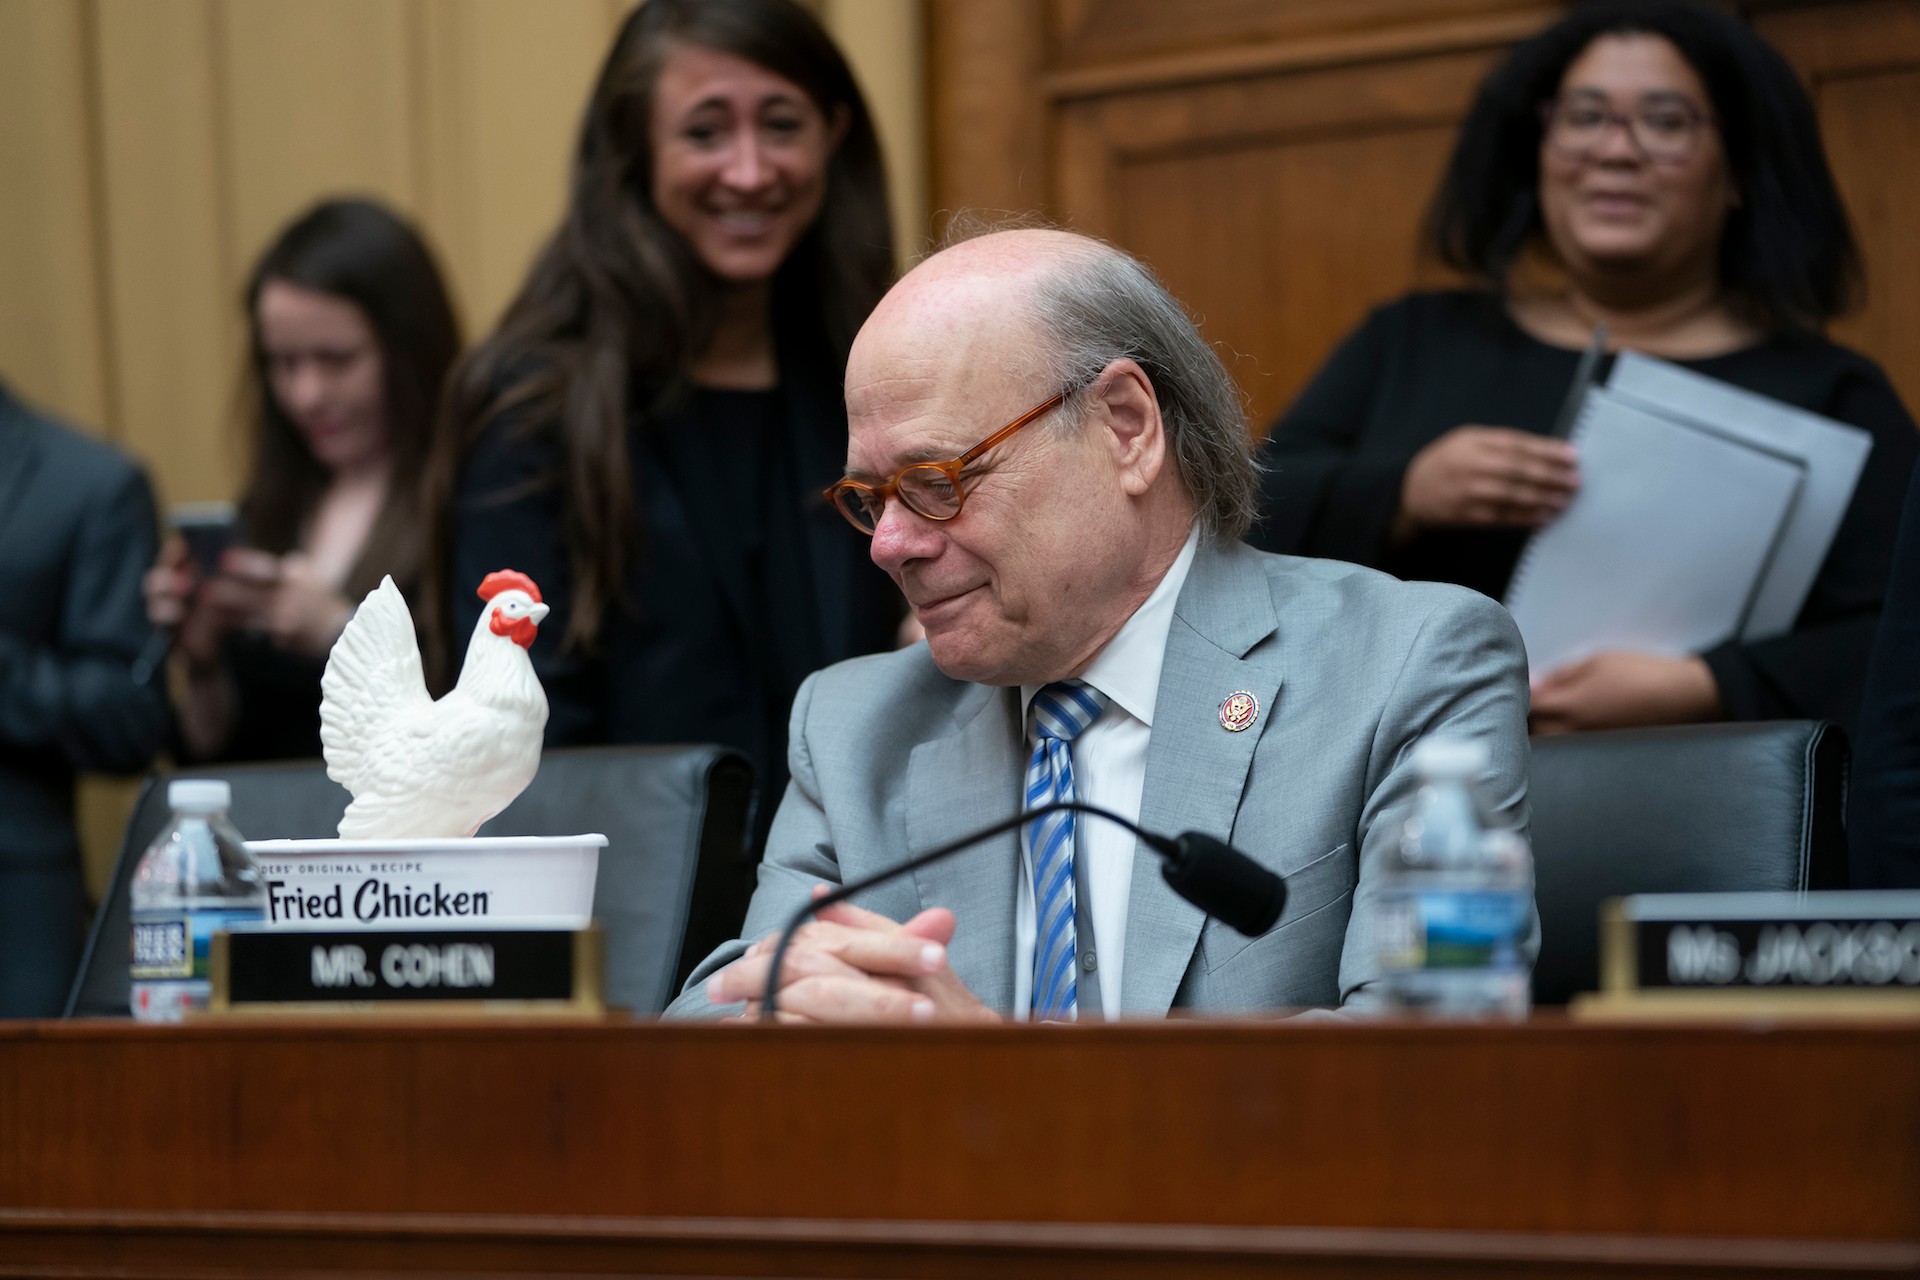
{"type": "Point", "coordinates": [373, 678]}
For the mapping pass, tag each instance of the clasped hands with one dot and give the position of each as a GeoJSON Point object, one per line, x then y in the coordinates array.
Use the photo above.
{"type": "Point", "coordinates": [853, 965]}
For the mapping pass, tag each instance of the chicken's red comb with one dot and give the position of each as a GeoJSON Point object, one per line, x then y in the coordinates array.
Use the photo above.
{"type": "Point", "coordinates": [507, 580]}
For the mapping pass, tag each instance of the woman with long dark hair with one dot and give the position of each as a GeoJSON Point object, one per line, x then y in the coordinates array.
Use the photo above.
{"type": "Point", "coordinates": [648, 431]}
{"type": "Point", "coordinates": [351, 335]}
{"type": "Point", "coordinates": [1654, 168]}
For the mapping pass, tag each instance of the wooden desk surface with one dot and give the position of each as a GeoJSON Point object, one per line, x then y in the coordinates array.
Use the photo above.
{"type": "Point", "coordinates": [1551, 1148]}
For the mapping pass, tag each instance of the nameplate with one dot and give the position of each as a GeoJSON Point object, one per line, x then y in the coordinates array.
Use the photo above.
{"type": "Point", "coordinates": [412, 971]}
{"type": "Point", "coordinates": [1840, 941]}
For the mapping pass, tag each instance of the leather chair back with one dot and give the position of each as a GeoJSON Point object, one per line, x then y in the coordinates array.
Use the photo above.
{"type": "Point", "coordinates": [676, 874]}
{"type": "Point", "coordinates": [673, 881]}
{"type": "Point", "coordinates": [1688, 808]}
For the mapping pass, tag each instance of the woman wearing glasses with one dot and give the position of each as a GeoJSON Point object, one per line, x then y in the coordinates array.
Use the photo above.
{"type": "Point", "coordinates": [648, 431]}
{"type": "Point", "coordinates": [1656, 169]}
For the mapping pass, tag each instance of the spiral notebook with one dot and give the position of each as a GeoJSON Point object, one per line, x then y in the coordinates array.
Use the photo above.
{"type": "Point", "coordinates": [1666, 545]}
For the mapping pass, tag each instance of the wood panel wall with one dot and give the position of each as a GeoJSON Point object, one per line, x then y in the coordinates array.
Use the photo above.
{"type": "Point", "coordinates": [1272, 161]}
{"type": "Point", "coordinates": [162, 143]}
{"type": "Point", "coordinates": [1861, 61]}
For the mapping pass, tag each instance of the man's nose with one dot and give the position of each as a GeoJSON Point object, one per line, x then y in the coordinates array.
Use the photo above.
{"type": "Point", "coordinates": [901, 536]}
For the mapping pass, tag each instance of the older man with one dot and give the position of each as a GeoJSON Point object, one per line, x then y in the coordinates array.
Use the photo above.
{"type": "Point", "coordinates": [1095, 629]}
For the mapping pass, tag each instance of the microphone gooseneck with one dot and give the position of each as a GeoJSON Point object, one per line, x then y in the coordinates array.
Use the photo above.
{"type": "Point", "coordinates": [1209, 873]}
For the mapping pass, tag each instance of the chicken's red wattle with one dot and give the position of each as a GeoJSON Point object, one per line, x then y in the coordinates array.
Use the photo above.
{"type": "Point", "coordinates": [521, 632]}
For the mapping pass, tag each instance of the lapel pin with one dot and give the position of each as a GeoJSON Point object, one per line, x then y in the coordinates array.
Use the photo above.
{"type": "Point", "coordinates": [1238, 711]}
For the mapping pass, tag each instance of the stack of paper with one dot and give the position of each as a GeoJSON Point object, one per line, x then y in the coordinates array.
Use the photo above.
{"type": "Point", "coordinates": [1704, 513]}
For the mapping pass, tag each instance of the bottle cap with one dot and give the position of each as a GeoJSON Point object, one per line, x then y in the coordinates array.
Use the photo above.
{"type": "Point", "coordinates": [1436, 758]}
{"type": "Point", "coordinates": [199, 795]}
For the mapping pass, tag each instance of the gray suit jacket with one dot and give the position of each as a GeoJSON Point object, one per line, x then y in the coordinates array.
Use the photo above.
{"type": "Point", "coordinates": [1351, 667]}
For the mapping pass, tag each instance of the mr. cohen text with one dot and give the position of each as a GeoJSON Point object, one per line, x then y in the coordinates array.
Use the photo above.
{"type": "Point", "coordinates": [454, 964]}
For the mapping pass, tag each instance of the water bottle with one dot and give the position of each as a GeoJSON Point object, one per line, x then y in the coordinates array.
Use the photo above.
{"type": "Point", "coordinates": [194, 880]}
{"type": "Point", "coordinates": [1457, 901]}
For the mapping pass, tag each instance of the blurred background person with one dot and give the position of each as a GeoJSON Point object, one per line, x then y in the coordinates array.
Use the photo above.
{"type": "Point", "coordinates": [1884, 806]}
{"type": "Point", "coordinates": [1654, 168]}
{"type": "Point", "coordinates": [76, 533]}
{"type": "Point", "coordinates": [648, 432]}
{"type": "Point", "coordinates": [351, 337]}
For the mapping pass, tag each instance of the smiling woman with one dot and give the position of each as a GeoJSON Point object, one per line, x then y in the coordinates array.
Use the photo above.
{"type": "Point", "coordinates": [352, 335]}
{"type": "Point", "coordinates": [740, 161]}
{"type": "Point", "coordinates": [1653, 168]}
{"type": "Point", "coordinates": [648, 431]}
{"type": "Point", "coordinates": [1633, 178]}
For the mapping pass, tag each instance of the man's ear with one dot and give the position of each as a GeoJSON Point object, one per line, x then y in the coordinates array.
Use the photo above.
{"type": "Point", "coordinates": [1128, 412]}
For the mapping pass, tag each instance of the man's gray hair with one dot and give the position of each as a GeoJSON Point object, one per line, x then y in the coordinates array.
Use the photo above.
{"type": "Point", "coordinates": [1103, 306]}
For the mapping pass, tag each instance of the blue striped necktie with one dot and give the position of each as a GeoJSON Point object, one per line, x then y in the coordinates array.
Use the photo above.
{"type": "Point", "coordinates": [1061, 712]}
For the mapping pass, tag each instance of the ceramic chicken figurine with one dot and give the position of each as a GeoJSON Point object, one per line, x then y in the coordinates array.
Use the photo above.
{"type": "Point", "coordinates": [421, 768]}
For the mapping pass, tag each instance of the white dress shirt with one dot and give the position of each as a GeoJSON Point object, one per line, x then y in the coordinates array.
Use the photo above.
{"type": "Point", "coordinates": [1110, 770]}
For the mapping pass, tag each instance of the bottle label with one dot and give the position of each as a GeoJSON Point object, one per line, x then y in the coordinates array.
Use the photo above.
{"type": "Point", "coordinates": [160, 947]}
{"type": "Point", "coordinates": [1453, 929]}
{"type": "Point", "coordinates": [179, 944]}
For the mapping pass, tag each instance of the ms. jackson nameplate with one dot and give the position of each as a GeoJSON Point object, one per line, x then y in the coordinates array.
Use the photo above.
{"type": "Point", "coordinates": [1848, 946]}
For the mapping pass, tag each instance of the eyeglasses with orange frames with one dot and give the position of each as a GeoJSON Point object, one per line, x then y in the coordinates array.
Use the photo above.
{"type": "Point", "coordinates": [931, 490]}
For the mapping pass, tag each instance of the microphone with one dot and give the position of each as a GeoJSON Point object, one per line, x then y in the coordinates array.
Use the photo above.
{"type": "Point", "coordinates": [1211, 874]}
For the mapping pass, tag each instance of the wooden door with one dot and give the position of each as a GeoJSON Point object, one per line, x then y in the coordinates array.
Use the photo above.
{"type": "Point", "coordinates": [1861, 61]}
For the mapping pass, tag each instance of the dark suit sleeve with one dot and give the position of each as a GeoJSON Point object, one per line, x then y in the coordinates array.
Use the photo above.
{"type": "Point", "coordinates": [510, 513]}
{"type": "Point", "coordinates": [1885, 813]}
{"type": "Point", "coordinates": [77, 695]}
{"type": "Point", "coordinates": [1321, 495]}
{"type": "Point", "coordinates": [1816, 670]}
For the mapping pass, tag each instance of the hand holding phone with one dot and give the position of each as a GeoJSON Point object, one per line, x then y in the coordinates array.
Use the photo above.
{"type": "Point", "coordinates": [208, 529]}
{"type": "Point", "coordinates": [176, 593]}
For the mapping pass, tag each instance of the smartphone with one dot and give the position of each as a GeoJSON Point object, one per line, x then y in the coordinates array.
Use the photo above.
{"type": "Point", "coordinates": [208, 528]}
